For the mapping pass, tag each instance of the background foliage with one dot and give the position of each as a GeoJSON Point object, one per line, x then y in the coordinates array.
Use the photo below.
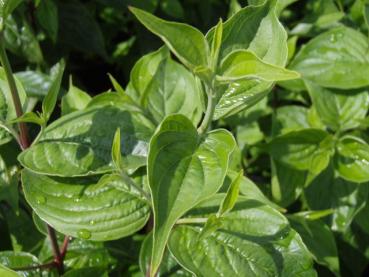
{"type": "Point", "coordinates": [303, 144]}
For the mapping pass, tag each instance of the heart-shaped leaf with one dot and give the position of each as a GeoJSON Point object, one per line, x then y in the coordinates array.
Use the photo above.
{"type": "Point", "coordinates": [183, 169]}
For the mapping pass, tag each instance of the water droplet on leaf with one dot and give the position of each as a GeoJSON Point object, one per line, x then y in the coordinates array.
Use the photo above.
{"type": "Point", "coordinates": [84, 234]}
{"type": "Point", "coordinates": [40, 199]}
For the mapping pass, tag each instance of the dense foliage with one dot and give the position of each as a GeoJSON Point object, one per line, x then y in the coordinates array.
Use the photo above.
{"type": "Point", "coordinates": [184, 137]}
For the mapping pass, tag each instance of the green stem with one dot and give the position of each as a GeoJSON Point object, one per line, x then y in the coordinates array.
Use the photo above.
{"type": "Point", "coordinates": [191, 220]}
{"type": "Point", "coordinates": [25, 143]}
{"type": "Point", "coordinates": [205, 124]}
{"type": "Point", "coordinates": [23, 133]}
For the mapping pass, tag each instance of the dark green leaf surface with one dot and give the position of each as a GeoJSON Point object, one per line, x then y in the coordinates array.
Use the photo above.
{"type": "Point", "coordinates": [106, 210]}
{"type": "Point", "coordinates": [344, 197]}
{"type": "Point", "coordinates": [194, 168]}
{"type": "Point", "coordinates": [319, 239]}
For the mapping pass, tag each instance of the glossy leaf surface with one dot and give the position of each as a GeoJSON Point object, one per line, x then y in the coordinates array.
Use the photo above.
{"type": "Point", "coordinates": [194, 168]}
{"type": "Point", "coordinates": [337, 58]}
{"type": "Point", "coordinates": [186, 42]}
{"type": "Point", "coordinates": [163, 87]}
{"type": "Point", "coordinates": [254, 240]}
{"type": "Point", "coordinates": [104, 210]}
{"type": "Point", "coordinates": [80, 143]}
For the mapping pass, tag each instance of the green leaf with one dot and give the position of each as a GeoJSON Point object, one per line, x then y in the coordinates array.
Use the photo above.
{"type": "Point", "coordinates": [74, 100]}
{"type": "Point", "coordinates": [337, 58]}
{"type": "Point", "coordinates": [244, 64]}
{"type": "Point", "coordinates": [7, 109]}
{"type": "Point", "coordinates": [213, 223]}
{"type": "Point", "coordinates": [47, 17]}
{"type": "Point", "coordinates": [258, 30]}
{"type": "Point", "coordinates": [241, 95]}
{"type": "Point", "coordinates": [6, 272]}
{"type": "Point", "coordinates": [345, 198]}
{"type": "Point", "coordinates": [339, 110]}
{"type": "Point", "coordinates": [352, 159]}
{"type": "Point", "coordinates": [163, 87]}
{"type": "Point", "coordinates": [194, 168]}
{"type": "Point", "coordinates": [320, 241]}
{"type": "Point", "coordinates": [30, 117]}
{"type": "Point", "coordinates": [186, 42]}
{"type": "Point", "coordinates": [6, 9]}
{"type": "Point", "coordinates": [297, 148]}
{"type": "Point", "coordinates": [20, 259]}
{"type": "Point", "coordinates": [216, 44]}
{"type": "Point", "coordinates": [118, 88]}
{"type": "Point", "coordinates": [290, 118]}
{"type": "Point", "coordinates": [79, 143]}
{"type": "Point", "coordinates": [287, 183]}
{"type": "Point", "coordinates": [232, 195]}
{"type": "Point", "coordinates": [105, 210]}
{"type": "Point", "coordinates": [79, 29]}
{"type": "Point", "coordinates": [49, 102]}
{"type": "Point", "coordinates": [116, 154]}
{"type": "Point", "coordinates": [254, 240]}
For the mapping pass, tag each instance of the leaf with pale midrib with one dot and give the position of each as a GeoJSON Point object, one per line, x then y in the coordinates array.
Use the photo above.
{"type": "Point", "coordinates": [79, 143]}
{"type": "Point", "coordinates": [183, 169]}
{"type": "Point", "coordinates": [105, 210]}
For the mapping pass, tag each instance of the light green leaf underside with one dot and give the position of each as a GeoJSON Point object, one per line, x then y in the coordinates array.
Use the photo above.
{"type": "Point", "coordinates": [244, 64]}
{"type": "Point", "coordinates": [186, 42]}
{"type": "Point", "coordinates": [163, 87]}
{"type": "Point", "coordinates": [254, 240]}
{"type": "Point", "coordinates": [79, 143]}
{"type": "Point", "coordinates": [337, 58]}
{"type": "Point", "coordinates": [104, 210]}
{"type": "Point", "coordinates": [6, 272]}
{"type": "Point", "coordinates": [183, 169]}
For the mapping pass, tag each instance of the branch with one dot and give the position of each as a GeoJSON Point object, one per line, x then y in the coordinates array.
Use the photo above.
{"type": "Point", "coordinates": [58, 259]}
